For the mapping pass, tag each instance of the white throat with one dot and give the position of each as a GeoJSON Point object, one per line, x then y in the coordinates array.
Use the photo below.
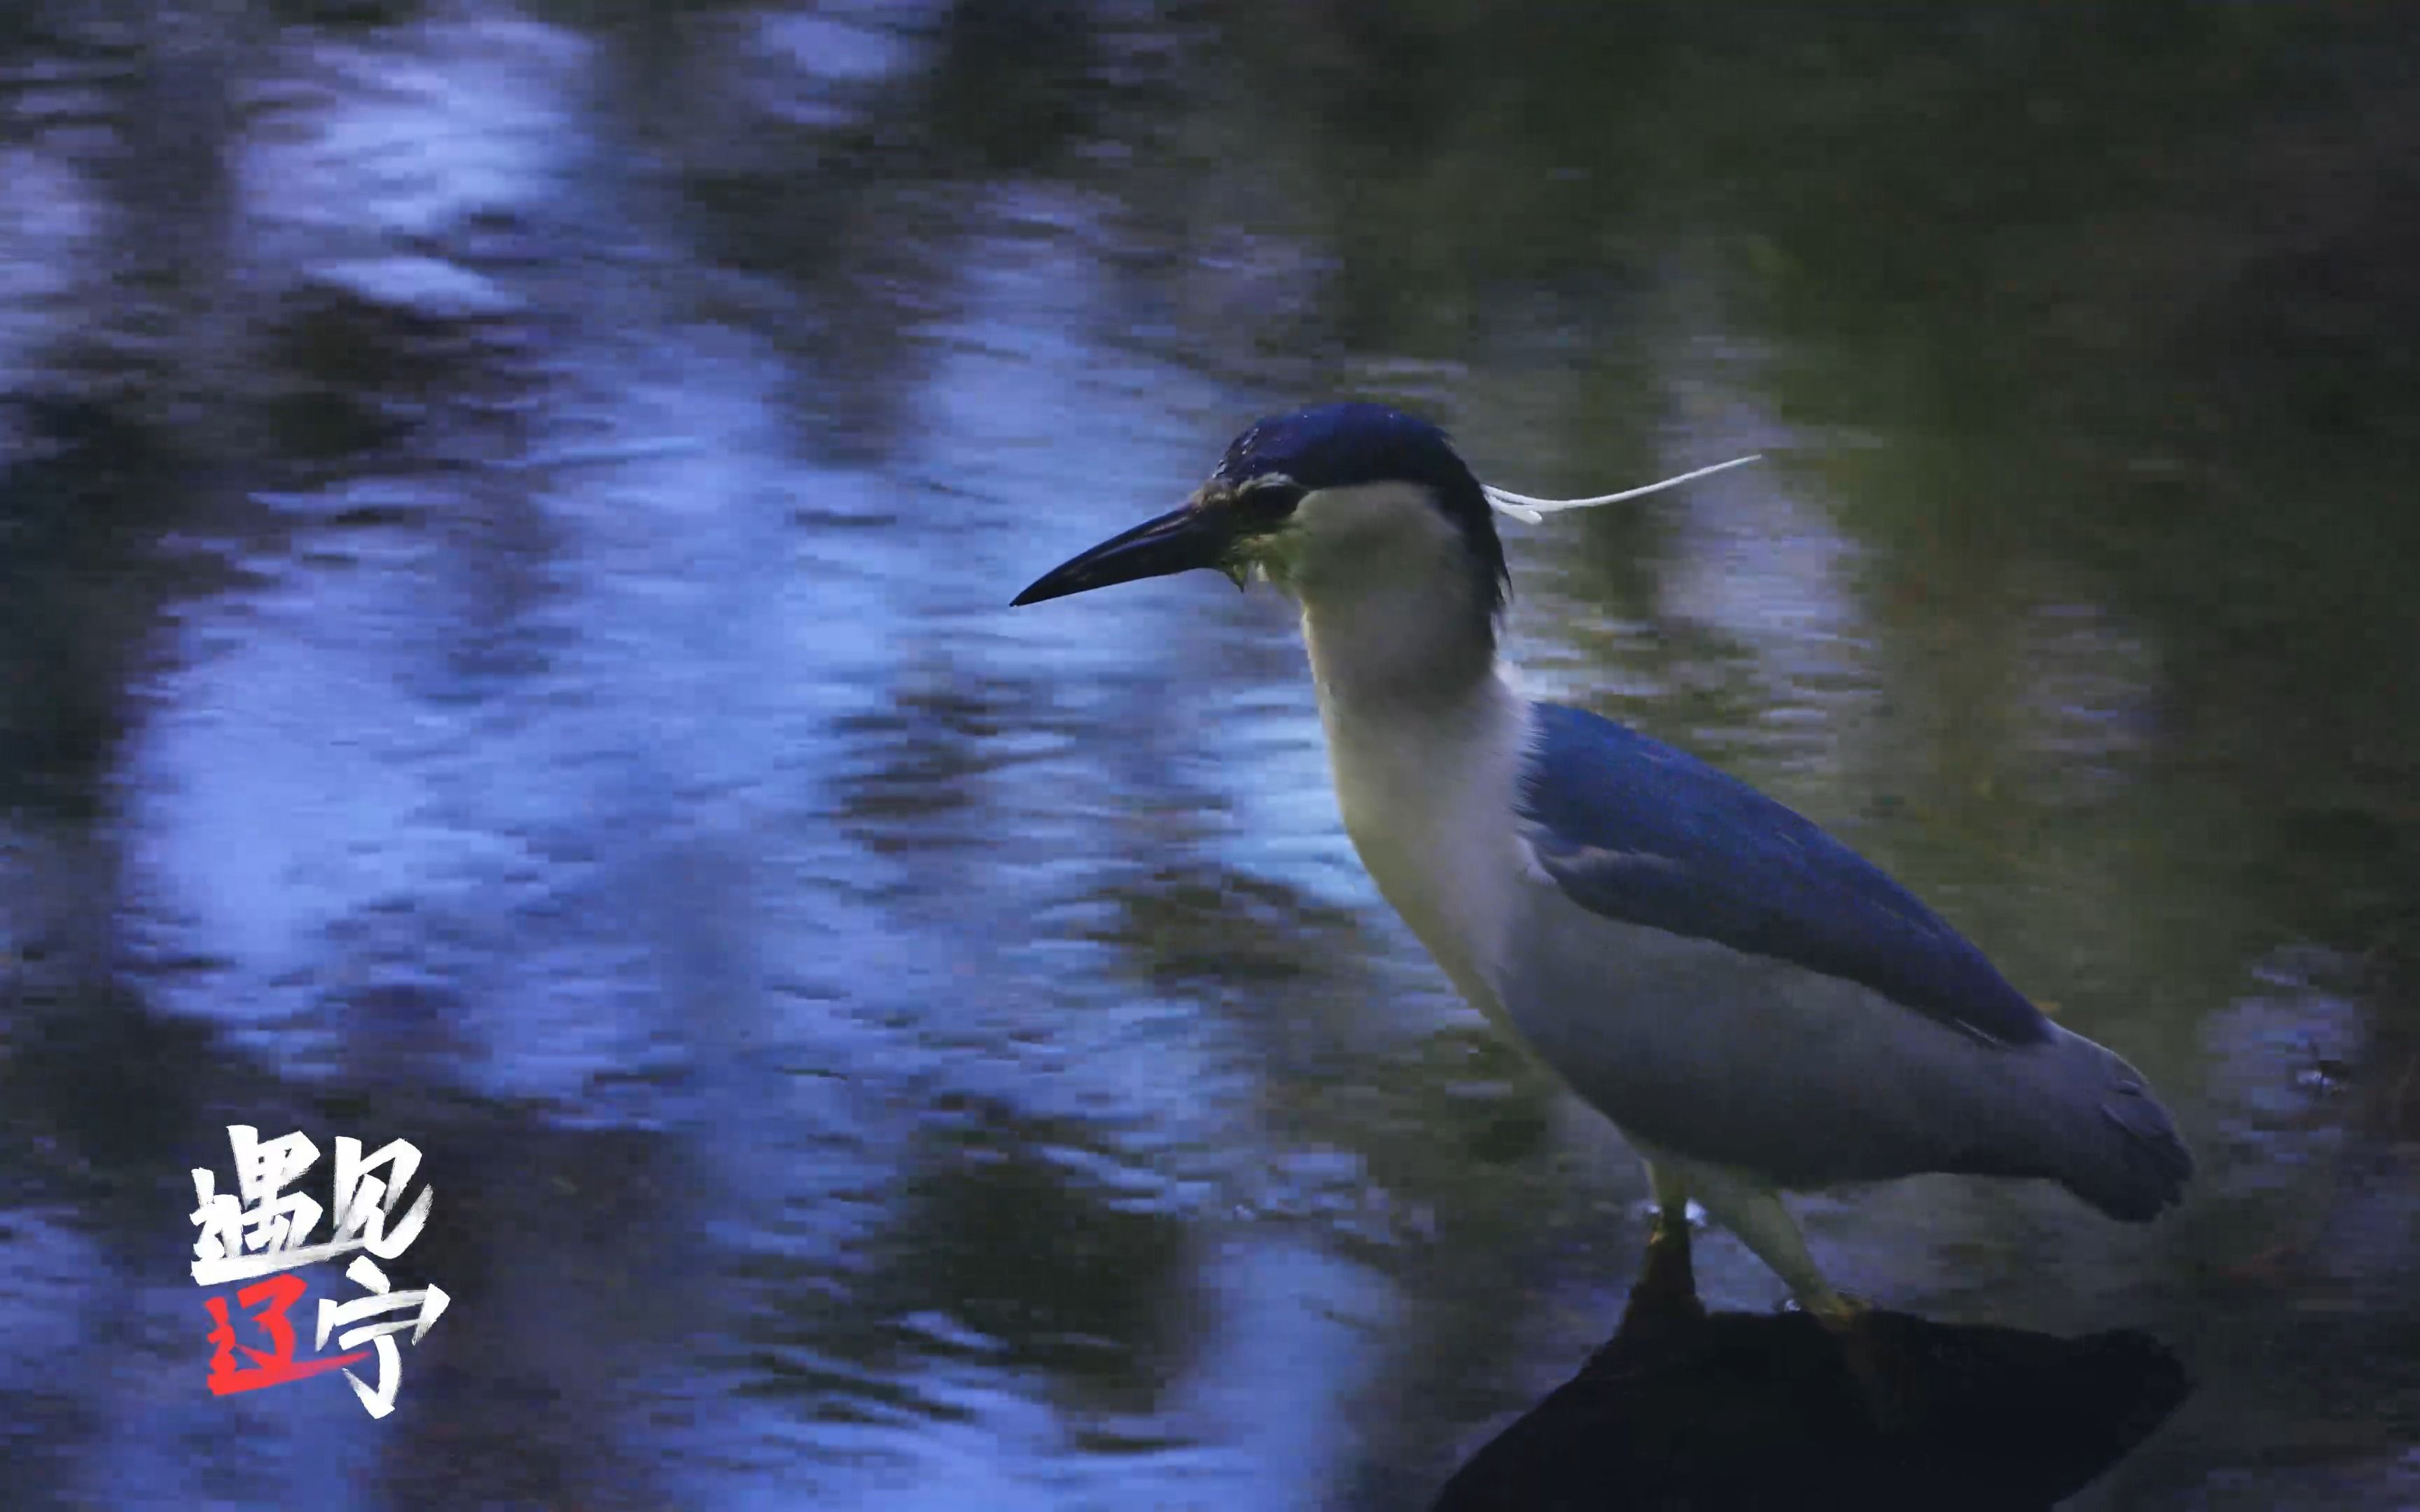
{"type": "Point", "coordinates": [1425, 734]}
{"type": "Point", "coordinates": [1389, 608]}
{"type": "Point", "coordinates": [1428, 796]}
{"type": "Point", "coordinates": [1428, 792]}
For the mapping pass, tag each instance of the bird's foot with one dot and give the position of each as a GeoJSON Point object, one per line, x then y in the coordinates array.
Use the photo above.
{"type": "Point", "coordinates": [1668, 1281]}
{"type": "Point", "coordinates": [1663, 1308]}
{"type": "Point", "coordinates": [1885, 1378]}
{"type": "Point", "coordinates": [1838, 1312]}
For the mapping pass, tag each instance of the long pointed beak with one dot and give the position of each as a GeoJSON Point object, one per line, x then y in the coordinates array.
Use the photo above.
{"type": "Point", "coordinates": [1184, 538]}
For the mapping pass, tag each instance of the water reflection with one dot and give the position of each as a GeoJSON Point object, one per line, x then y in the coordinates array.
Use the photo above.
{"type": "Point", "coordinates": [506, 520]}
{"type": "Point", "coordinates": [1681, 1408]}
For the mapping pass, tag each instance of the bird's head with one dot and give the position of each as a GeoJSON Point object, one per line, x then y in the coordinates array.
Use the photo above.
{"type": "Point", "coordinates": [1325, 499]}
{"type": "Point", "coordinates": [1316, 499]}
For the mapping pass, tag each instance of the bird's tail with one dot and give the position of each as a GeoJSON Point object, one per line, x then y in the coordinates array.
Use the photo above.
{"type": "Point", "coordinates": [2118, 1147]}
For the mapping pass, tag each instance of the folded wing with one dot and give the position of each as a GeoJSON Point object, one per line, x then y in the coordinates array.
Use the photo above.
{"type": "Point", "coordinates": [1637, 831]}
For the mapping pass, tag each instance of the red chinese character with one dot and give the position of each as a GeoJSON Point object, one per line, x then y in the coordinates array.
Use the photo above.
{"type": "Point", "coordinates": [277, 1366]}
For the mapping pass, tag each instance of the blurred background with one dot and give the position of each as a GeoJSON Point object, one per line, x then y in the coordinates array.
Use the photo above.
{"type": "Point", "coordinates": [506, 515]}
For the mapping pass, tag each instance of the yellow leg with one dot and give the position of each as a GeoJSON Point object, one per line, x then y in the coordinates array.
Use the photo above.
{"type": "Point", "coordinates": [1665, 1297]}
{"type": "Point", "coordinates": [1765, 1226]}
{"type": "Point", "coordinates": [1671, 1204]}
{"type": "Point", "coordinates": [1668, 1277]}
{"type": "Point", "coordinates": [1755, 1213]}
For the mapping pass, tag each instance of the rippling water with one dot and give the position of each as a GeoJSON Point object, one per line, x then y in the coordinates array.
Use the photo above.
{"type": "Point", "coordinates": [504, 537]}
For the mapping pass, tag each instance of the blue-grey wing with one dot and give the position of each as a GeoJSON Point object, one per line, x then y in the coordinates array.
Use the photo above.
{"type": "Point", "coordinates": [1637, 831]}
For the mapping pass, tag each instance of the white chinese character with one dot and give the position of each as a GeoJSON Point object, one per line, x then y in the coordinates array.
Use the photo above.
{"type": "Point", "coordinates": [267, 1232]}
{"type": "Point", "coordinates": [333, 1315]}
{"type": "Point", "coordinates": [365, 1203]}
{"type": "Point", "coordinates": [268, 1222]}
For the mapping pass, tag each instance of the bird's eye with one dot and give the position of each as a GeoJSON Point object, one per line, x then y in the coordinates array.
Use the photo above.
{"type": "Point", "coordinates": [1267, 501]}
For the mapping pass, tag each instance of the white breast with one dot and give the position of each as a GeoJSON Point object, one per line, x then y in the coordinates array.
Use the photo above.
{"type": "Point", "coordinates": [1428, 798]}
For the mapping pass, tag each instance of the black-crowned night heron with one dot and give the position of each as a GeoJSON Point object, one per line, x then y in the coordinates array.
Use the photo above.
{"type": "Point", "coordinates": [1756, 1007]}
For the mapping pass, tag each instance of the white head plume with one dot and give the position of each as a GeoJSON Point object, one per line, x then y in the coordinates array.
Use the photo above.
{"type": "Point", "coordinates": [1523, 507]}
